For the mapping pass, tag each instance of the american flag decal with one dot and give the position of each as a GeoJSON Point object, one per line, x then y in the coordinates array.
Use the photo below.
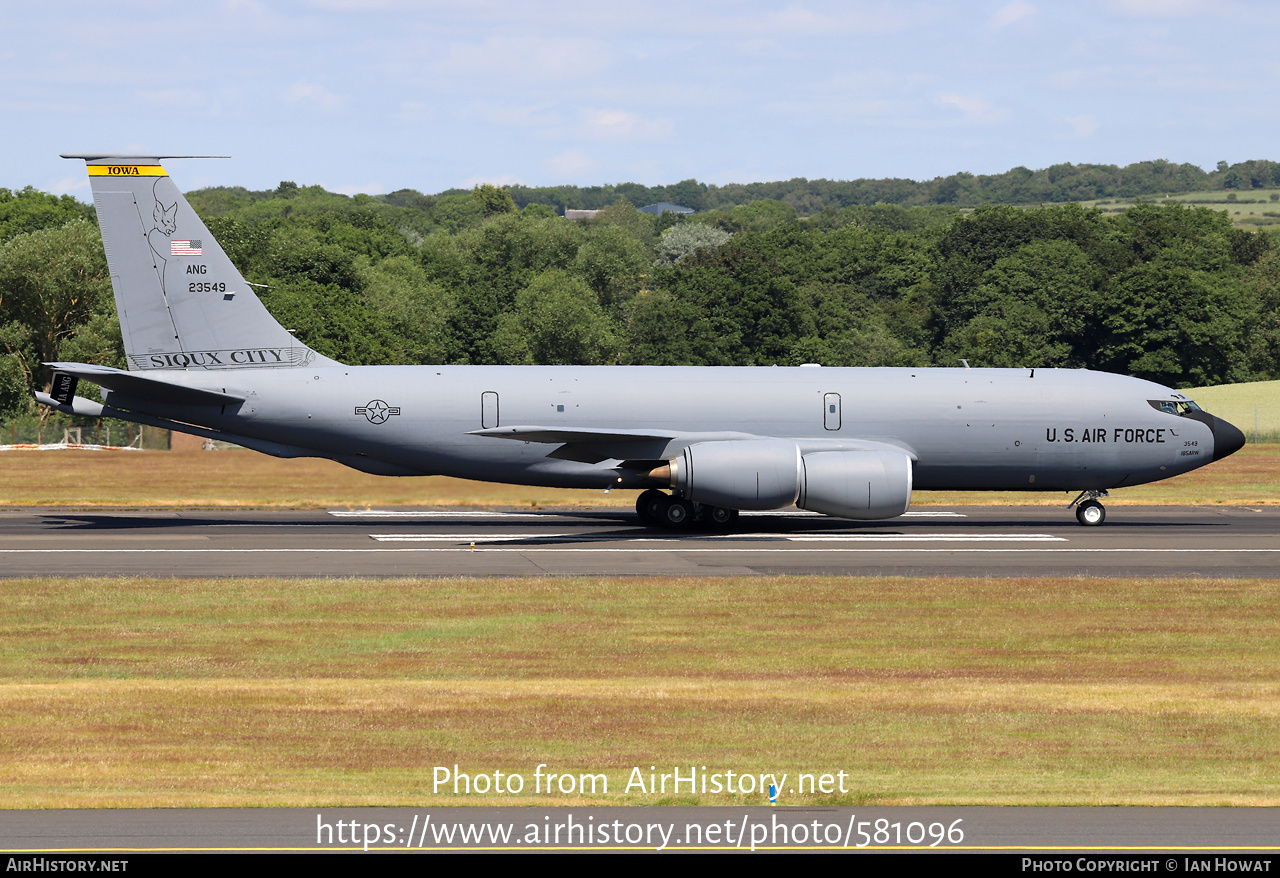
{"type": "Point", "coordinates": [185, 248]}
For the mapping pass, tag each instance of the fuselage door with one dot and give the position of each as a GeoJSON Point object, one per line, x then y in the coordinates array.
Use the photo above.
{"type": "Point", "coordinates": [488, 410]}
{"type": "Point", "coordinates": [831, 411]}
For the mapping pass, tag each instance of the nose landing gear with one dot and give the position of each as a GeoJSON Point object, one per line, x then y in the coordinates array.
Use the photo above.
{"type": "Point", "coordinates": [1090, 513]}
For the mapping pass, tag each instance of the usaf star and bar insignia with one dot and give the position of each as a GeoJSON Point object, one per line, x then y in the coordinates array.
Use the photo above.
{"type": "Point", "coordinates": [377, 411]}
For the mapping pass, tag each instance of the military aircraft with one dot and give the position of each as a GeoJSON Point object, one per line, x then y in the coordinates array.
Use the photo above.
{"type": "Point", "coordinates": [205, 357]}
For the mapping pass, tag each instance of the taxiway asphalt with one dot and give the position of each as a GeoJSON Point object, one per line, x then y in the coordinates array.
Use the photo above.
{"type": "Point", "coordinates": [969, 541]}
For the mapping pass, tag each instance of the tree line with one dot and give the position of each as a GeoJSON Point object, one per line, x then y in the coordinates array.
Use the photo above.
{"type": "Point", "coordinates": [1058, 183]}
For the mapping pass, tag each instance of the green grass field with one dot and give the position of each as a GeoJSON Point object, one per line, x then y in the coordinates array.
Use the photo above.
{"type": "Point", "coordinates": [1251, 209]}
{"type": "Point", "coordinates": [1254, 408]}
{"type": "Point", "coordinates": [186, 693]}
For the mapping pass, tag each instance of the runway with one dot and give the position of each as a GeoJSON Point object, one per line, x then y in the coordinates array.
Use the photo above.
{"type": "Point", "coordinates": [968, 541]}
{"type": "Point", "coordinates": [1149, 832]}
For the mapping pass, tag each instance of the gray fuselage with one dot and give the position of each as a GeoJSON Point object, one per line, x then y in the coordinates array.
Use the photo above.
{"type": "Point", "coordinates": [968, 429]}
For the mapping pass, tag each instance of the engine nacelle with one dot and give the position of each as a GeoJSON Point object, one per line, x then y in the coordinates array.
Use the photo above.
{"type": "Point", "coordinates": [862, 485]}
{"type": "Point", "coordinates": [772, 474]}
{"type": "Point", "coordinates": [746, 474]}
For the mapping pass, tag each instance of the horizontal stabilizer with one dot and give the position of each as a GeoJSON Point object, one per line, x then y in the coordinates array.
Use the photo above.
{"type": "Point", "coordinates": [144, 386]}
{"type": "Point", "coordinates": [77, 405]}
{"type": "Point", "coordinates": [96, 156]}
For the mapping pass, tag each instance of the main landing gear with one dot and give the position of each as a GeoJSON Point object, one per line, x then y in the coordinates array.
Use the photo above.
{"type": "Point", "coordinates": [1090, 513]}
{"type": "Point", "coordinates": [659, 509]}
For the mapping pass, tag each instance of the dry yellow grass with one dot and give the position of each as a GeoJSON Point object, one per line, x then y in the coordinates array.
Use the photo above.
{"type": "Point", "coordinates": [1250, 477]}
{"type": "Point", "coordinates": [161, 693]}
{"type": "Point", "coordinates": [244, 478]}
{"type": "Point", "coordinates": [325, 742]}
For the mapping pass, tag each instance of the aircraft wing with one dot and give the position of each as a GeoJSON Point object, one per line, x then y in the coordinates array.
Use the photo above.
{"type": "Point", "coordinates": [139, 386]}
{"type": "Point", "coordinates": [594, 444]}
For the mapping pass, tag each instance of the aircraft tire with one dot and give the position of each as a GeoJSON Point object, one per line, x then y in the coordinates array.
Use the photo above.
{"type": "Point", "coordinates": [1091, 513]}
{"type": "Point", "coordinates": [719, 517]}
{"type": "Point", "coordinates": [677, 513]}
{"type": "Point", "coordinates": [647, 505]}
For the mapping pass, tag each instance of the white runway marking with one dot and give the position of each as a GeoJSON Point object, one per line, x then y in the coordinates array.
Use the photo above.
{"type": "Point", "coordinates": [804, 513]}
{"type": "Point", "coordinates": [489, 538]}
{"type": "Point", "coordinates": [689, 550]}
{"type": "Point", "coordinates": [471, 513]}
{"type": "Point", "coordinates": [930, 538]}
{"type": "Point", "coordinates": [388, 513]}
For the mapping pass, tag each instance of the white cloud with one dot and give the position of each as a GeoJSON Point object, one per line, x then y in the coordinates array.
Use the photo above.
{"type": "Point", "coordinates": [572, 164]}
{"type": "Point", "coordinates": [1013, 12]}
{"type": "Point", "coordinates": [601, 124]}
{"type": "Point", "coordinates": [503, 62]}
{"type": "Point", "coordinates": [1082, 126]}
{"type": "Point", "coordinates": [362, 5]}
{"type": "Point", "coordinates": [811, 19]}
{"type": "Point", "coordinates": [527, 116]}
{"type": "Point", "coordinates": [69, 185]}
{"type": "Point", "coordinates": [314, 95]}
{"type": "Point", "coordinates": [1078, 77]}
{"type": "Point", "coordinates": [173, 98]}
{"type": "Point", "coordinates": [247, 6]}
{"type": "Point", "coordinates": [414, 112]}
{"type": "Point", "coordinates": [974, 108]}
{"type": "Point", "coordinates": [763, 47]}
{"type": "Point", "coordinates": [1162, 8]}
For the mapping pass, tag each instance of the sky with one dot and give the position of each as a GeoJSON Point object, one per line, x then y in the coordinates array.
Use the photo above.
{"type": "Point", "coordinates": [379, 95]}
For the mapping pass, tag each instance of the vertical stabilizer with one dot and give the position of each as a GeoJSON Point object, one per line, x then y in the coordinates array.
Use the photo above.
{"type": "Point", "coordinates": [182, 304]}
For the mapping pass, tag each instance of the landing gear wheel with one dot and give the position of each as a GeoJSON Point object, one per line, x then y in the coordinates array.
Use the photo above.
{"type": "Point", "coordinates": [1091, 513]}
{"type": "Point", "coordinates": [676, 513]}
{"type": "Point", "coordinates": [647, 505]}
{"type": "Point", "coordinates": [719, 517]}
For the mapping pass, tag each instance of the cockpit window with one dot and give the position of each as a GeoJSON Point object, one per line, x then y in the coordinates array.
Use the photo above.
{"type": "Point", "coordinates": [1174, 406]}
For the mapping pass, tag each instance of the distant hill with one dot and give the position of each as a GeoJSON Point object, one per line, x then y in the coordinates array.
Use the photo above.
{"type": "Point", "coordinates": [1055, 184]}
{"type": "Point", "coordinates": [1058, 183]}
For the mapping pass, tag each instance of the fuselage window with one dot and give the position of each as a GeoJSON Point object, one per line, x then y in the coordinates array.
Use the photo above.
{"type": "Point", "coordinates": [831, 411]}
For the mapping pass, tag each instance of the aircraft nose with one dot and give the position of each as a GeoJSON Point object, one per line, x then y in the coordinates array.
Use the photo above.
{"type": "Point", "coordinates": [1227, 438]}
